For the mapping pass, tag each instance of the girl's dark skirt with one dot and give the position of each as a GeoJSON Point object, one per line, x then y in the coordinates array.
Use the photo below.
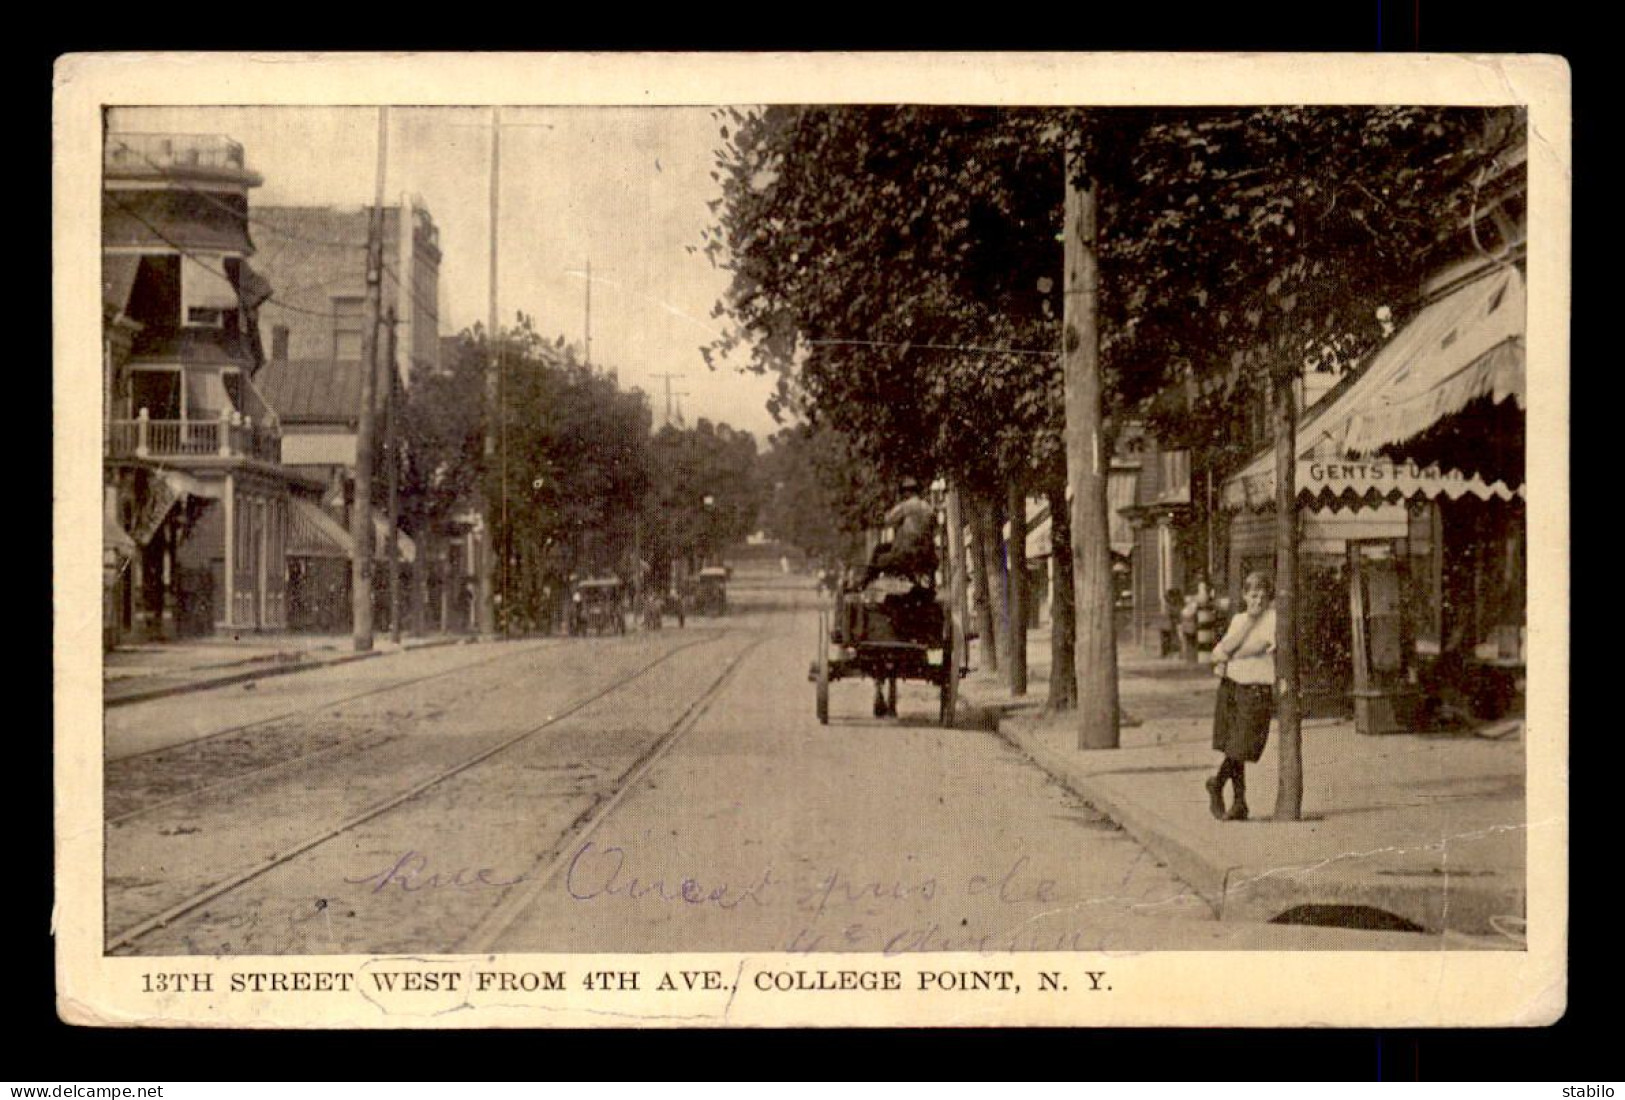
{"type": "Point", "coordinates": [1241, 720]}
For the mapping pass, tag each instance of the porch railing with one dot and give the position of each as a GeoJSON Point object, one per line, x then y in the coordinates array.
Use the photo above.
{"type": "Point", "coordinates": [232, 436]}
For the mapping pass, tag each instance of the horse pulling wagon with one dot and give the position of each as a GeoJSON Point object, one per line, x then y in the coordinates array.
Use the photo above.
{"type": "Point", "coordinates": [889, 630]}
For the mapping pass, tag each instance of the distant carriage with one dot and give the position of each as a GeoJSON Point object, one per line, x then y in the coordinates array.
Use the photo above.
{"type": "Point", "coordinates": [598, 606]}
{"type": "Point", "coordinates": [711, 591]}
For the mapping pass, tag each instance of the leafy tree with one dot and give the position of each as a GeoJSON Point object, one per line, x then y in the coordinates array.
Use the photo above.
{"type": "Point", "coordinates": [441, 422]}
{"type": "Point", "coordinates": [899, 267]}
{"type": "Point", "coordinates": [571, 466]}
{"type": "Point", "coordinates": [704, 494]}
{"type": "Point", "coordinates": [819, 498]}
{"type": "Point", "coordinates": [881, 267]}
{"type": "Point", "coordinates": [1241, 246]}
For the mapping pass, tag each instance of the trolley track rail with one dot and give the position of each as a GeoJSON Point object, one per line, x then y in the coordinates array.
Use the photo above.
{"type": "Point", "coordinates": [325, 704]}
{"type": "Point", "coordinates": [127, 937]}
{"type": "Point", "coordinates": [269, 726]}
{"type": "Point", "coordinates": [513, 905]}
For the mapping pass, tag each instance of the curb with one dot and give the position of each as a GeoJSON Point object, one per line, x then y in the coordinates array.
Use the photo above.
{"type": "Point", "coordinates": [1203, 875]}
{"type": "Point", "coordinates": [166, 691]}
{"type": "Point", "coordinates": [1258, 895]}
{"type": "Point", "coordinates": [282, 668]}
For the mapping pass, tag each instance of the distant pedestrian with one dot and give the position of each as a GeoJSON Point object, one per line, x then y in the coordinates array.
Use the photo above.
{"type": "Point", "coordinates": [1187, 629]}
{"type": "Point", "coordinates": [1244, 661]}
{"type": "Point", "coordinates": [1173, 604]}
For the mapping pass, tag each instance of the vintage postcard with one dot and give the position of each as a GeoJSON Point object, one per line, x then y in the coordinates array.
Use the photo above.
{"type": "Point", "coordinates": [841, 540]}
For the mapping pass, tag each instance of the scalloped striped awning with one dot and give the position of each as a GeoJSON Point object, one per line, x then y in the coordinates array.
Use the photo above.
{"type": "Point", "coordinates": [1468, 344]}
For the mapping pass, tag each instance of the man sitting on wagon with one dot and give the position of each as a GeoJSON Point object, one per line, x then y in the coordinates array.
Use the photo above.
{"type": "Point", "coordinates": [912, 553]}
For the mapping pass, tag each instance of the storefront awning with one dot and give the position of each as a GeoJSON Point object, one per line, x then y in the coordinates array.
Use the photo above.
{"type": "Point", "coordinates": [1468, 344]}
{"type": "Point", "coordinates": [116, 538]}
{"type": "Point", "coordinates": [312, 533]}
{"type": "Point", "coordinates": [1119, 495]}
{"type": "Point", "coordinates": [118, 279]}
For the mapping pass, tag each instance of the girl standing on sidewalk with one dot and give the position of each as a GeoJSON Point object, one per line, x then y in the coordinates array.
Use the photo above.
{"type": "Point", "coordinates": [1244, 661]}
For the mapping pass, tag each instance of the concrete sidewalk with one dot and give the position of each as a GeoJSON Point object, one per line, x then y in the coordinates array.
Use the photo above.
{"type": "Point", "coordinates": [139, 672]}
{"type": "Point", "coordinates": [1420, 831]}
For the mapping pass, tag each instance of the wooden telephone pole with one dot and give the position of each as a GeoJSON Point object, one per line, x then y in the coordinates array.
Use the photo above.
{"type": "Point", "coordinates": [392, 451]}
{"type": "Point", "coordinates": [1086, 468]}
{"type": "Point", "coordinates": [493, 404]}
{"type": "Point", "coordinates": [361, 516]}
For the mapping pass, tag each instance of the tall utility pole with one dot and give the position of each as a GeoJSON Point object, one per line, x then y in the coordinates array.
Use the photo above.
{"type": "Point", "coordinates": [392, 449]}
{"type": "Point", "coordinates": [361, 517]}
{"type": "Point", "coordinates": [493, 402]}
{"type": "Point", "coordinates": [587, 353]}
{"type": "Point", "coordinates": [1086, 468]}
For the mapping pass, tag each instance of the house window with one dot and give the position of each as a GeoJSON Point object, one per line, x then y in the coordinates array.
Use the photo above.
{"type": "Point", "coordinates": [205, 316]}
{"type": "Point", "coordinates": [157, 391]}
{"type": "Point", "coordinates": [279, 343]}
{"type": "Point", "coordinates": [233, 381]}
{"type": "Point", "coordinates": [155, 299]}
{"type": "Point", "coordinates": [208, 291]}
{"type": "Point", "coordinates": [347, 329]}
{"type": "Point", "coordinates": [1174, 477]}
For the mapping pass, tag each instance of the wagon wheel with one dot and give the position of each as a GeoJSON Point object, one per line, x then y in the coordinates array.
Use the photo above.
{"type": "Point", "coordinates": [823, 667]}
{"type": "Point", "coordinates": [949, 691]}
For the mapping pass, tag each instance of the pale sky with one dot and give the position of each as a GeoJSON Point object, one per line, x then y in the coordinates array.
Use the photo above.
{"type": "Point", "coordinates": [624, 187]}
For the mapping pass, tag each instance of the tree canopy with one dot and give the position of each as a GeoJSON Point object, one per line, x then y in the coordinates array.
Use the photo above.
{"type": "Point", "coordinates": [704, 492]}
{"type": "Point", "coordinates": [900, 267]}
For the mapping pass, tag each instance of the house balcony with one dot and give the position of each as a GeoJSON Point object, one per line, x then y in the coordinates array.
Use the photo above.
{"type": "Point", "coordinates": [143, 156]}
{"type": "Point", "coordinates": [231, 436]}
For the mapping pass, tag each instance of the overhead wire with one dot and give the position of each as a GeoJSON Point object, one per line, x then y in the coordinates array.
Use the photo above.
{"type": "Point", "coordinates": [279, 231]}
{"type": "Point", "coordinates": [189, 254]}
{"type": "Point", "coordinates": [932, 347]}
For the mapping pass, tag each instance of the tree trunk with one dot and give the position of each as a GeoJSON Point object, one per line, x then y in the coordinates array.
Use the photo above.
{"type": "Point", "coordinates": [982, 589]}
{"type": "Point", "coordinates": [1086, 465]}
{"type": "Point", "coordinates": [998, 573]}
{"type": "Point", "coordinates": [1289, 788]}
{"type": "Point", "coordinates": [1016, 558]}
{"type": "Point", "coordinates": [1063, 676]}
{"type": "Point", "coordinates": [428, 548]}
{"type": "Point", "coordinates": [957, 575]}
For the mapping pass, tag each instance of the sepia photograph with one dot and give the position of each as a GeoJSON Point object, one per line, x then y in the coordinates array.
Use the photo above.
{"type": "Point", "coordinates": [691, 543]}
